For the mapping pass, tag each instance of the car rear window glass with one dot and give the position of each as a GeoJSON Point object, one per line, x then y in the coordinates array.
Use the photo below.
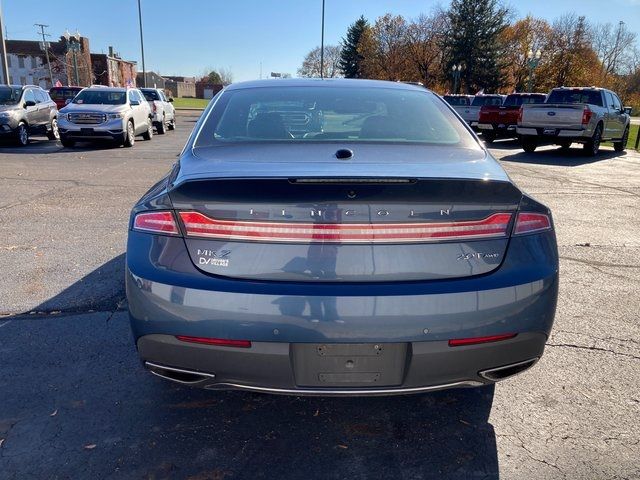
{"type": "Point", "coordinates": [592, 97]}
{"type": "Point", "coordinates": [483, 100]}
{"type": "Point", "coordinates": [330, 114]}
{"type": "Point", "coordinates": [100, 97]}
{"type": "Point", "coordinates": [63, 93]}
{"type": "Point", "coordinates": [517, 100]}
{"type": "Point", "coordinates": [457, 101]}
{"type": "Point", "coordinates": [151, 95]}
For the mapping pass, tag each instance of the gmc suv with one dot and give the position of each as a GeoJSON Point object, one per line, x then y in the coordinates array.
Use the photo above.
{"type": "Point", "coordinates": [106, 113]}
{"type": "Point", "coordinates": [27, 110]}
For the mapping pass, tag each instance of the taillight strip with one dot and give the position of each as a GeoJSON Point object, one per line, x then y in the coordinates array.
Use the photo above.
{"type": "Point", "coordinates": [156, 222]}
{"type": "Point", "coordinates": [199, 225]}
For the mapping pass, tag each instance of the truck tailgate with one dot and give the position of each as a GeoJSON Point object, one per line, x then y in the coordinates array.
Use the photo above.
{"type": "Point", "coordinates": [552, 115]}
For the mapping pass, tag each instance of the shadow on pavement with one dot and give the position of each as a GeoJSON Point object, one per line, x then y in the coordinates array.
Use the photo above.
{"type": "Point", "coordinates": [100, 290]}
{"type": "Point", "coordinates": [555, 156]}
{"type": "Point", "coordinates": [77, 403]}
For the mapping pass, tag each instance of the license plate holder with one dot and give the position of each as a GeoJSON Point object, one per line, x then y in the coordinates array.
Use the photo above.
{"type": "Point", "coordinates": [549, 131]}
{"type": "Point", "coordinates": [347, 365]}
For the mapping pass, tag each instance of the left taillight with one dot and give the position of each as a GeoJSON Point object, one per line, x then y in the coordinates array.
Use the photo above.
{"type": "Point", "coordinates": [156, 222]}
{"type": "Point", "coordinates": [529, 222]}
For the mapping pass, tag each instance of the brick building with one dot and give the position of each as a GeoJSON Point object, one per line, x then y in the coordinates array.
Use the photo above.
{"type": "Point", "coordinates": [112, 71]}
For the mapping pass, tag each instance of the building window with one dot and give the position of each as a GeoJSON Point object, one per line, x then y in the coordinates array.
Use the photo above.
{"type": "Point", "coordinates": [23, 80]}
{"type": "Point", "coordinates": [20, 61]}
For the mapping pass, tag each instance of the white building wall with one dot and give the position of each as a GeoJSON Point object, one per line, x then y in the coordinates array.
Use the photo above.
{"type": "Point", "coordinates": [27, 70]}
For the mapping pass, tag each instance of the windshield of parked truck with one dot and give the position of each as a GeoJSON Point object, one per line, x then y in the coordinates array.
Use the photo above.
{"type": "Point", "coordinates": [150, 95]}
{"type": "Point", "coordinates": [592, 97]}
{"type": "Point", "coordinates": [100, 97]}
{"type": "Point", "coordinates": [482, 101]}
{"type": "Point", "coordinates": [9, 95]}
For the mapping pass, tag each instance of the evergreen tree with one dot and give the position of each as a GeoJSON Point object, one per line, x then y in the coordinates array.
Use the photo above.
{"type": "Point", "coordinates": [474, 40]}
{"type": "Point", "coordinates": [350, 58]}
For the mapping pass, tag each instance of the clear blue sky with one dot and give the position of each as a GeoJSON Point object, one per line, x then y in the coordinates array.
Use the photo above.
{"type": "Point", "coordinates": [185, 37]}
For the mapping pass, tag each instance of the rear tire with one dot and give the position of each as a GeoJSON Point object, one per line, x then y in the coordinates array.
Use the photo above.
{"type": "Point", "coordinates": [622, 144]}
{"type": "Point", "coordinates": [148, 135]}
{"type": "Point", "coordinates": [489, 137]}
{"type": "Point", "coordinates": [54, 133]}
{"type": "Point", "coordinates": [130, 135]}
{"type": "Point", "coordinates": [592, 146]}
{"type": "Point", "coordinates": [529, 145]}
{"type": "Point", "coordinates": [22, 135]}
{"type": "Point", "coordinates": [162, 127]}
{"type": "Point", "coordinates": [172, 124]}
{"type": "Point", "coordinates": [67, 143]}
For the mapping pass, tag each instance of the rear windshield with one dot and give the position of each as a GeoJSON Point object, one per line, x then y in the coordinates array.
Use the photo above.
{"type": "Point", "coordinates": [63, 93]}
{"type": "Point", "coordinates": [457, 101]}
{"type": "Point", "coordinates": [9, 96]}
{"type": "Point", "coordinates": [330, 114]}
{"type": "Point", "coordinates": [592, 97]}
{"type": "Point", "coordinates": [482, 100]}
{"type": "Point", "coordinates": [151, 95]}
{"type": "Point", "coordinates": [517, 100]}
{"type": "Point", "coordinates": [100, 97]}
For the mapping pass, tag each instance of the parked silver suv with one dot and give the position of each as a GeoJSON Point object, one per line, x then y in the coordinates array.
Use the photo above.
{"type": "Point", "coordinates": [106, 113]}
{"type": "Point", "coordinates": [27, 110]}
{"type": "Point", "coordinates": [162, 111]}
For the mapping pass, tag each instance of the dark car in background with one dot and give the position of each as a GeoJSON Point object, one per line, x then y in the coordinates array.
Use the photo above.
{"type": "Point", "coordinates": [25, 111]}
{"type": "Point", "coordinates": [500, 121]}
{"type": "Point", "coordinates": [381, 251]}
{"type": "Point", "coordinates": [63, 95]}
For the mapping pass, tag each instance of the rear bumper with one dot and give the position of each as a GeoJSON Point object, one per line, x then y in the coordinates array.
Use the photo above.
{"type": "Point", "coordinates": [168, 296]}
{"type": "Point", "coordinates": [551, 133]}
{"type": "Point", "coordinates": [270, 366]}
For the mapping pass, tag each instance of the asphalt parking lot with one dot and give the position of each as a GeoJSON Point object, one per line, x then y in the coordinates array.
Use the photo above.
{"type": "Point", "coordinates": [75, 402]}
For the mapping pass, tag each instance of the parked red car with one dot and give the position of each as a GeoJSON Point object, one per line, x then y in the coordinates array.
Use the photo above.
{"type": "Point", "coordinates": [500, 121]}
{"type": "Point", "coordinates": [63, 95]}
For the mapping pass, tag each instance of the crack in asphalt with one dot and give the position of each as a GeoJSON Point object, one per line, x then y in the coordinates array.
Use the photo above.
{"type": "Point", "coordinates": [596, 263]}
{"type": "Point", "coordinates": [592, 348]}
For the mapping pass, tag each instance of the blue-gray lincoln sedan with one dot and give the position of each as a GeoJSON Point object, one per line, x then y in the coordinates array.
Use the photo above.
{"type": "Point", "coordinates": [338, 237]}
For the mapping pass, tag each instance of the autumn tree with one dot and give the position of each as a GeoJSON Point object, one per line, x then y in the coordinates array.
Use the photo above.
{"type": "Point", "coordinates": [311, 63]}
{"type": "Point", "coordinates": [523, 37]}
{"type": "Point", "coordinates": [383, 49]}
{"type": "Point", "coordinates": [423, 38]}
{"type": "Point", "coordinates": [350, 58]}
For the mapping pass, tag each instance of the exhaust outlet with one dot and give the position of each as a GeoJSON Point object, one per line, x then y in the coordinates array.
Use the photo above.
{"type": "Point", "coordinates": [178, 375]}
{"type": "Point", "coordinates": [506, 371]}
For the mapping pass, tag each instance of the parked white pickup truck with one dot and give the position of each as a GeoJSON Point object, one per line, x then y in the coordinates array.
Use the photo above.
{"type": "Point", "coordinates": [586, 115]}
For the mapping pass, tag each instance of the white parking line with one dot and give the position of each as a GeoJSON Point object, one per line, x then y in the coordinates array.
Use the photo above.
{"type": "Point", "coordinates": [5, 323]}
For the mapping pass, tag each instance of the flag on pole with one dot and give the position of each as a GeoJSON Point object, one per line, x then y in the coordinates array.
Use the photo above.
{"type": "Point", "coordinates": [58, 83]}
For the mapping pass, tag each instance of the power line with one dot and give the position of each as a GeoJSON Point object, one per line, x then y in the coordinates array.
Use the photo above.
{"type": "Point", "coordinates": [45, 47]}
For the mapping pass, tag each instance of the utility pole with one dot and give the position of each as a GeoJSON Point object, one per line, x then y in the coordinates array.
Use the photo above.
{"type": "Point", "coordinates": [4, 65]}
{"type": "Point", "coordinates": [322, 45]}
{"type": "Point", "coordinates": [144, 71]}
{"type": "Point", "coordinates": [45, 47]}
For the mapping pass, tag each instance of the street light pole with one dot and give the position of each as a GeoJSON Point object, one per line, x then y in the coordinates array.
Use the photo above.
{"type": "Point", "coordinates": [144, 71]}
{"type": "Point", "coordinates": [533, 59]}
{"type": "Point", "coordinates": [45, 48]}
{"type": "Point", "coordinates": [322, 45]}
{"type": "Point", "coordinates": [4, 65]}
{"type": "Point", "coordinates": [457, 70]}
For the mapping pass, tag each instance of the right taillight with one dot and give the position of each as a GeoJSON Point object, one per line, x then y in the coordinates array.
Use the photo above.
{"type": "Point", "coordinates": [586, 115]}
{"type": "Point", "coordinates": [156, 222]}
{"type": "Point", "coordinates": [527, 222]}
